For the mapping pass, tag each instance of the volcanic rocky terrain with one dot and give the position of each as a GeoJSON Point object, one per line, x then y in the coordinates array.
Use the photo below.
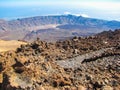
{"type": "Point", "coordinates": [79, 63]}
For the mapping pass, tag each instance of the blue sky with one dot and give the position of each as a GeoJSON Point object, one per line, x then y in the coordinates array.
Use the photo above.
{"type": "Point", "coordinates": [102, 9]}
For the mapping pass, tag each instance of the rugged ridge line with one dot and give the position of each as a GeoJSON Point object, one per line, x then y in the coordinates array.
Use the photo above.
{"type": "Point", "coordinates": [62, 26]}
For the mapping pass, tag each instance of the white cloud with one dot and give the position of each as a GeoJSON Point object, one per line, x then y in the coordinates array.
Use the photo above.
{"type": "Point", "coordinates": [76, 14]}
{"type": "Point", "coordinates": [77, 3]}
{"type": "Point", "coordinates": [99, 5]}
{"type": "Point", "coordinates": [66, 13]}
{"type": "Point", "coordinates": [85, 15]}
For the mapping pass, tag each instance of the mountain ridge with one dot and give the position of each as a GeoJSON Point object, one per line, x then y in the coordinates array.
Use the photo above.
{"type": "Point", "coordinates": [19, 28]}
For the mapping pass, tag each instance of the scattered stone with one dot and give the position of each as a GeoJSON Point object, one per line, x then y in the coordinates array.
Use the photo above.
{"type": "Point", "coordinates": [74, 64]}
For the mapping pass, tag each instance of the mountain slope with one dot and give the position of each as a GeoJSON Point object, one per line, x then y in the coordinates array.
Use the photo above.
{"type": "Point", "coordinates": [63, 24]}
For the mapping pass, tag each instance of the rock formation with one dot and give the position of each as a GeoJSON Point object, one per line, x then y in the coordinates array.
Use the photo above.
{"type": "Point", "coordinates": [75, 64]}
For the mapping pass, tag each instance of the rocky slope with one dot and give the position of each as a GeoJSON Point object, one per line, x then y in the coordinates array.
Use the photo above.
{"type": "Point", "coordinates": [57, 27]}
{"type": "Point", "coordinates": [90, 63]}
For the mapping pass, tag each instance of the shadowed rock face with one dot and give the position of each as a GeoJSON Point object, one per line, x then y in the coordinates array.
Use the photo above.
{"type": "Point", "coordinates": [74, 64]}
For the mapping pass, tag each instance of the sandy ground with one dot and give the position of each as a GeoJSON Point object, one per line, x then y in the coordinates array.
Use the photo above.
{"type": "Point", "coordinates": [10, 45]}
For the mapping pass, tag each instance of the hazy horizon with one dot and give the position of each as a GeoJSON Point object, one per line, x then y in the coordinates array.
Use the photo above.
{"type": "Point", "coordinates": [101, 9]}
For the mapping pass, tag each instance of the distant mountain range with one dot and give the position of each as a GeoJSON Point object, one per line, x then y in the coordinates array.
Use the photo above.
{"type": "Point", "coordinates": [53, 27]}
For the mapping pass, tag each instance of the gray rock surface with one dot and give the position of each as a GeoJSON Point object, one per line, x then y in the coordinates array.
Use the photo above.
{"type": "Point", "coordinates": [76, 61]}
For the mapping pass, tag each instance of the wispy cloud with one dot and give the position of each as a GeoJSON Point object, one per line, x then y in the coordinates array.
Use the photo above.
{"type": "Point", "coordinates": [100, 5]}
{"type": "Point", "coordinates": [76, 14]}
{"type": "Point", "coordinates": [78, 3]}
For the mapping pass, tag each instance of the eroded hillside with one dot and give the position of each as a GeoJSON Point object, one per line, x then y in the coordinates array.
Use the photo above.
{"type": "Point", "coordinates": [53, 27]}
{"type": "Point", "coordinates": [90, 63]}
